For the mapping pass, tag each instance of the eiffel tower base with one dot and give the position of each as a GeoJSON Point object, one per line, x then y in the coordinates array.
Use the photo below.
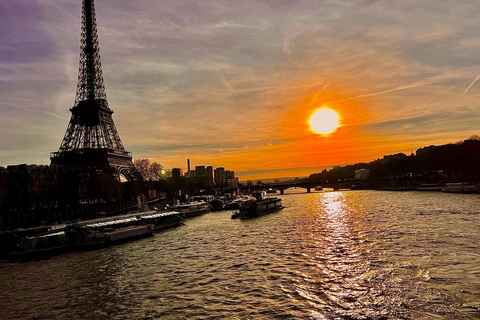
{"type": "Point", "coordinates": [117, 162]}
{"type": "Point", "coordinates": [92, 175]}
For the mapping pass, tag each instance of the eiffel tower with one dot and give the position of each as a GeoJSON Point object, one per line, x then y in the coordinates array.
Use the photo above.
{"type": "Point", "coordinates": [91, 141]}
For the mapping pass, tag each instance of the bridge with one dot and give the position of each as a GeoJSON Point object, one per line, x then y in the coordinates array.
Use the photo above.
{"type": "Point", "coordinates": [306, 184]}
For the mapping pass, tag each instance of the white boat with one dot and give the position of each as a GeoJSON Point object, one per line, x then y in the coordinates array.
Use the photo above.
{"type": "Point", "coordinates": [192, 209]}
{"type": "Point", "coordinates": [460, 187]}
{"type": "Point", "coordinates": [161, 219]}
{"type": "Point", "coordinates": [109, 236]}
{"type": "Point", "coordinates": [206, 198]}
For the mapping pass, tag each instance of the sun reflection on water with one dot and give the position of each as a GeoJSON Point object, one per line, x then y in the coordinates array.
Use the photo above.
{"type": "Point", "coordinates": [340, 274]}
{"type": "Point", "coordinates": [330, 255]}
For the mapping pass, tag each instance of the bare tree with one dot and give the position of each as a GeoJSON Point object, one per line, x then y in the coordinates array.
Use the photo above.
{"type": "Point", "coordinates": [142, 167]}
{"type": "Point", "coordinates": [151, 171]}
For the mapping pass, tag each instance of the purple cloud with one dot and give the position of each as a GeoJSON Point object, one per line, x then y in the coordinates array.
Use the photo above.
{"type": "Point", "coordinates": [22, 38]}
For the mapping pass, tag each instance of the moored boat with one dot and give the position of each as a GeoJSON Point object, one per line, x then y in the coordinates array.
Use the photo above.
{"type": "Point", "coordinates": [43, 245]}
{"type": "Point", "coordinates": [108, 236]}
{"type": "Point", "coordinates": [162, 220]}
{"type": "Point", "coordinates": [217, 205]}
{"type": "Point", "coordinates": [460, 187]}
{"type": "Point", "coordinates": [93, 233]}
{"type": "Point", "coordinates": [430, 187]}
{"type": "Point", "coordinates": [191, 209]}
{"type": "Point", "coordinates": [207, 198]}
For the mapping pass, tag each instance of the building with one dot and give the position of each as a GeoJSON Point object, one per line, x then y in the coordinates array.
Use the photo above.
{"type": "Point", "coordinates": [229, 174]}
{"type": "Point", "coordinates": [219, 176]}
{"type": "Point", "coordinates": [209, 177]}
{"type": "Point", "coordinates": [362, 174]}
{"type": "Point", "coordinates": [176, 172]}
{"type": "Point", "coordinates": [231, 183]}
{"type": "Point", "coordinates": [200, 171]}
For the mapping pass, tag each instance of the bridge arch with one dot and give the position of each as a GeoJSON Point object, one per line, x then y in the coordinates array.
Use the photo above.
{"type": "Point", "coordinates": [307, 189]}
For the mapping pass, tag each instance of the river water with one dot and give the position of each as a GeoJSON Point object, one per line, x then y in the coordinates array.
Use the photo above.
{"type": "Point", "coordinates": [332, 255]}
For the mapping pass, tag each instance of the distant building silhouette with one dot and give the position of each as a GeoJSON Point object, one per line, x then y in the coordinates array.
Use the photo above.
{"type": "Point", "coordinates": [200, 171]}
{"type": "Point", "coordinates": [176, 172]}
{"type": "Point", "coordinates": [219, 176]}
{"type": "Point", "coordinates": [362, 174]}
{"type": "Point", "coordinates": [209, 178]}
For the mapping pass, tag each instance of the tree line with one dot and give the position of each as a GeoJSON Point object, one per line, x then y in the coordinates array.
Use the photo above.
{"type": "Point", "coordinates": [458, 162]}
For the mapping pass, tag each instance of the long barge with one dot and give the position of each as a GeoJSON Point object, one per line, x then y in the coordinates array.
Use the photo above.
{"type": "Point", "coordinates": [110, 236]}
{"type": "Point", "coordinates": [89, 234]}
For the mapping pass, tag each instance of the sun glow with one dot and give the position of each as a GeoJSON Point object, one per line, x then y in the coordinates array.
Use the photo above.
{"type": "Point", "coordinates": [324, 121]}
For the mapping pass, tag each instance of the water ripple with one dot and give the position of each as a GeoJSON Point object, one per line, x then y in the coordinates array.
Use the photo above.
{"type": "Point", "coordinates": [338, 255]}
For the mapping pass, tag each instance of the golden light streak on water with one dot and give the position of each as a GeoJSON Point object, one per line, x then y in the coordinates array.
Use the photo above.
{"type": "Point", "coordinates": [335, 255]}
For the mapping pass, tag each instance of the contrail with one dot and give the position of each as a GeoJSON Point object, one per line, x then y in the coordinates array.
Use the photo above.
{"type": "Point", "coordinates": [461, 96]}
{"type": "Point", "coordinates": [471, 84]}
{"type": "Point", "coordinates": [315, 98]}
{"type": "Point", "coordinates": [368, 95]}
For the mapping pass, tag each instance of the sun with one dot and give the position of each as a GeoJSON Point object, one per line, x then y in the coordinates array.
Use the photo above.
{"type": "Point", "coordinates": [324, 121]}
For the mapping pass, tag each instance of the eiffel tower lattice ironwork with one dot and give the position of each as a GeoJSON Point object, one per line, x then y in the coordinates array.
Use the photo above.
{"type": "Point", "coordinates": [91, 139]}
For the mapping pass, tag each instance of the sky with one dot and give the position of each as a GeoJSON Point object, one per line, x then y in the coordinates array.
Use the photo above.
{"type": "Point", "coordinates": [234, 83]}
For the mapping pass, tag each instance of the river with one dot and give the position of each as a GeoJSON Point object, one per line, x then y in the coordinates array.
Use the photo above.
{"type": "Point", "coordinates": [332, 255]}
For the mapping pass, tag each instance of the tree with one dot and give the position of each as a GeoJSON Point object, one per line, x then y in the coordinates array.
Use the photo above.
{"type": "Point", "coordinates": [155, 171]}
{"type": "Point", "coordinates": [151, 171]}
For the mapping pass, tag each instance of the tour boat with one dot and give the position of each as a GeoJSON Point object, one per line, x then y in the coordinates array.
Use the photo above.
{"type": "Point", "coordinates": [237, 202]}
{"type": "Point", "coordinates": [259, 206]}
{"type": "Point", "coordinates": [234, 204]}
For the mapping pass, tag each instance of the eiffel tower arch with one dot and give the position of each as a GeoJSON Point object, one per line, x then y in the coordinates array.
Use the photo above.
{"type": "Point", "coordinates": [91, 142]}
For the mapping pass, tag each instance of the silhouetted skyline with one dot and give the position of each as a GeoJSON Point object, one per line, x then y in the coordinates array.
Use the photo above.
{"type": "Point", "coordinates": [233, 84]}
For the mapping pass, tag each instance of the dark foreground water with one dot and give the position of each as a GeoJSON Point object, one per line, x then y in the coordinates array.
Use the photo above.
{"type": "Point", "coordinates": [338, 255]}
